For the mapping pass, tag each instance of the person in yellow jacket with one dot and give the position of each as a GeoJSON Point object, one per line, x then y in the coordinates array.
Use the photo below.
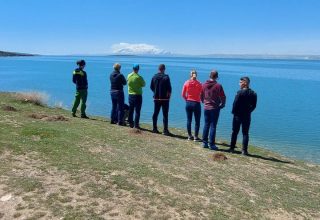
{"type": "Point", "coordinates": [135, 83]}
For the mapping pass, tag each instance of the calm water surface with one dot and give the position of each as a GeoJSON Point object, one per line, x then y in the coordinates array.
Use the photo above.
{"type": "Point", "coordinates": [286, 120]}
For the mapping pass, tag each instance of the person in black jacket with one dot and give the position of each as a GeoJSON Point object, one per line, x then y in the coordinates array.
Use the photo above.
{"type": "Point", "coordinates": [244, 104]}
{"type": "Point", "coordinates": [80, 79]}
{"type": "Point", "coordinates": [117, 96]}
{"type": "Point", "coordinates": [161, 88]}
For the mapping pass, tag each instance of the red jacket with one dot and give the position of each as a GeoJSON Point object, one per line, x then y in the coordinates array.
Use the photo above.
{"type": "Point", "coordinates": [212, 95]}
{"type": "Point", "coordinates": [191, 90]}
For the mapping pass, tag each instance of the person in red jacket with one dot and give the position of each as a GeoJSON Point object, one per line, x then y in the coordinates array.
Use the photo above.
{"type": "Point", "coordinates": [214, 99]}
{"type": "Point", "coordinates": [191, 92]}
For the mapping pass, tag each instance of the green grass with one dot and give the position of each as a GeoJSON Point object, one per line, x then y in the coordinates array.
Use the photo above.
{"type": "Point", "coordinates": [90, 169]}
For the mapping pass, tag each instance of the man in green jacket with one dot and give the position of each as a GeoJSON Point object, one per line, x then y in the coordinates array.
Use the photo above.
{"type": "Point", "coordinates": [135, 84]}
{"type": "Point", "coordinates": [80, 79]}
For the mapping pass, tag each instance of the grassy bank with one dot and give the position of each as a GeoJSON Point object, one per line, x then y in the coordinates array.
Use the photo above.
{"type": "Point", "coordinates": [53, 166]}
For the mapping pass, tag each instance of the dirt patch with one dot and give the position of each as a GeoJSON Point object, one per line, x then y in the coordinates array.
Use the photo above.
{"type": "Point", "coordinates": [48, 118]}
{"type": "Point", "coordinates": [9, 108]}
{"type": "Point", "coordinates": [135, 131]}
{"type": "Point", "coordinates": [218, 157]}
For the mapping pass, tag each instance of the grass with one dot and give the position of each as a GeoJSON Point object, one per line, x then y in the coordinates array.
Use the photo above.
{"type": "Point", "coordinates": [90, 169]}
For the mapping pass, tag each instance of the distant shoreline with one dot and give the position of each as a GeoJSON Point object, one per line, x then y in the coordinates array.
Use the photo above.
{"type": "Point", "coordinates": [13, 54]}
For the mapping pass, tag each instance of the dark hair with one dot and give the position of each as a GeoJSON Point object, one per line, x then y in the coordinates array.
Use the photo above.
{"type": "Point", "coordinates": [245, 78]}
{"type": "Point", "coordinates": [214, 74]}
{"type": "Point", "coordinates": [81, 63]}
{"type": "Point", "coordinates": [162, 67]}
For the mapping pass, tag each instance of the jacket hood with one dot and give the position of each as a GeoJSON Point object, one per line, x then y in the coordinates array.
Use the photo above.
{"type": "Point", "coordinates": [115, 73]}
{"type": "Point", "coordinates": [210, 83]}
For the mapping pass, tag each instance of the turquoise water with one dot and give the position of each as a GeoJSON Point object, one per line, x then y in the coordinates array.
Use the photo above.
{"type": "Point", "coordinates": [286, 120]}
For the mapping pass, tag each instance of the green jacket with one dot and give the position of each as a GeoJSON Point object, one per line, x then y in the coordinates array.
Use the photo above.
{"type": "Point", "coordinates": [135, 84]}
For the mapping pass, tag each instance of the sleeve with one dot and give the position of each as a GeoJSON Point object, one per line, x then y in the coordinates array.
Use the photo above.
{"type": "Point", "coordinates": [152, 85]}
{"type": "Point", "coordinates": [235, 103]}
{"type": "Point", "coordinates": [143, 83]}
{"type": "Point", "coordinates": [253, 102]}
{"type": "Point", "coordinates": [184, 91]}
{"type": "Point", "coordinates": [222, 98]}
{"type": "Point", "coordinates": [169, 87]}
{"type": "Point", "coordinates": [124, 81]}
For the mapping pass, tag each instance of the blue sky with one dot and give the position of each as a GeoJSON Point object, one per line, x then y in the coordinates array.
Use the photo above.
{"type": "Point", "coordinates": [150, 26]}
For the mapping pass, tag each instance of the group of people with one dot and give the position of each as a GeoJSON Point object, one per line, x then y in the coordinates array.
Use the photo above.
{"type": "Point", "coordinates": [210, 93]}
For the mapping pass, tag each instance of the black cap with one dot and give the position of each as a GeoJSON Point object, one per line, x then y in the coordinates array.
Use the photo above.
{"type": "Point", "coordinates": [81, 62]}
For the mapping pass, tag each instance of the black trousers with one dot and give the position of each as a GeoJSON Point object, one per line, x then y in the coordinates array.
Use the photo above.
{"type": "Point", "coordinates": [244, 123]}
{"type": "Point", "coordinates": [164, 104]}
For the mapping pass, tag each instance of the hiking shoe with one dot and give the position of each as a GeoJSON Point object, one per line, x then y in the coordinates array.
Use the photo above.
{"type": "Point", "coordinates": [196, 139]}
{"type": "Point", "coordinates": [84, 116]}
{"type": "Point", "coordinates": [190, 138]}
{"type": "Point", "coordinates": [214, 147]}
{"type": "Point", "coordinates": [155, 131]}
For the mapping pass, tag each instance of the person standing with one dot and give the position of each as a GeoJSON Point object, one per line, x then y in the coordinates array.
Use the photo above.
{"type": "Point", "coordinates": [191, 92]}
{"type": "Point", "coordinates": [214, 99]}
{"type": "Point", "coordinates": [80, 79]}
{"type": "Point", "coordinates": [135, 84]}
{"type": "Point", "coordinates": [161, 88]}
{"type": "Point", "coordinates": [244, 104]}
{"type": "Point", "coordinates": [117, 95]}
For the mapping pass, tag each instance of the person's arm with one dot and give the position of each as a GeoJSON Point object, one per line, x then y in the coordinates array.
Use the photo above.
{"type": "Point", "coordinates": [142, 82]}
{"type": "Point", "coordinates": [152, 85]}
{"type": "Point", "coordinates": [235, 102]}
{"type": "Point", "coordinates": [169, 88]}
{"type": "Point", "coordinates": [184, 91]}
{"type": "Point", "coordinates": [123, 79]}
{"type": "Point", "coordinates": [253, 102]}
{"type": "Point", "coordinates": [222, 98]}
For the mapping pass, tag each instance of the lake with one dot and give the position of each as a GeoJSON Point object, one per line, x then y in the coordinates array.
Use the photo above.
{"type": "Point", "coordinates": [286, 119]}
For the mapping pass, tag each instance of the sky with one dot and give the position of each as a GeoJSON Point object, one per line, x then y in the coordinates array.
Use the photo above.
{"type": "Point", "coordinates": [191, 27]}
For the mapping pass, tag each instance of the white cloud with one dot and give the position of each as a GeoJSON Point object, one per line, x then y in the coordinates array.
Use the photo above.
{"type": "Point", "coordinates": [135, 49]}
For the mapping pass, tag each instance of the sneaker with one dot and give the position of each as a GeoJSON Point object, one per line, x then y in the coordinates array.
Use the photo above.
{"type": "Point", "coordinates": [231, 150]}
{"type": "Point", "coordinates": [137, 127]}
{"type": "Point", "coordinates": [214, 147]}
{"type": "Point", "coordinates": [84, 116]}
{"type": "Point", "coordinates": [113, 122]}
{"type": "Point", "coordinates": [190, 138]}
{"type": "Point", "coordinates": [245, 153]}
{"type": "Point", "coordinates": [205, 145]}
{"type": "Point", "coordinates": [74, 115]}
{"type": "Point", "coordinates": [166, 133]}
{"type": "Point", "coordinates": [196, 139]}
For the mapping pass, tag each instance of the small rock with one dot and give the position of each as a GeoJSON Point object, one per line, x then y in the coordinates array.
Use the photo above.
{"type": "Point", "coordinates": [6, 198]}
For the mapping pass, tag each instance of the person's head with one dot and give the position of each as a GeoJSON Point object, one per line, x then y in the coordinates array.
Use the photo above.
{"type": "Point", "coordinates": [214, 74]}
{"type": "Point", "coordinates": [117, 66]}
{"type": "Point", "coordinates": [244, 82]}
{"type": "Point", "coordinates": [193, 74]}
{"type": "Point", "coordinates": [136, 68]}
{"type": "Point", "coordinates": [162, 68]}
{"type": "Point", "coordinates": [81, 63]}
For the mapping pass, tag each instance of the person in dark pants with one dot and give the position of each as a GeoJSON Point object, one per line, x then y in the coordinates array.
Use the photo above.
{"type": "Point", "coordinates": [244, 104]}
{"type": "Point", "coordinates": [117, 96]}
{"type": "Point", "coordinates": [80, 79]}
{"type": "Point", "coordinates": [161, 88]}
{"type": "Point", "coordinates": [214, 99]}
{"type": "Point", "coordinates": [135, 84]}
{"type": "Point", "coordinates": [191, 92]}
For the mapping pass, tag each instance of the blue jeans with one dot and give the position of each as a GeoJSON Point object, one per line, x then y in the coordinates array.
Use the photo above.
{"type": "Point", "coordinates": [117, 111]}
{"type": "Point", "coordinates": [193, 108]}
{"type": "Point", "coordinates": [135, 102]}
{"type": "Point", "coordinates": [210, 123]}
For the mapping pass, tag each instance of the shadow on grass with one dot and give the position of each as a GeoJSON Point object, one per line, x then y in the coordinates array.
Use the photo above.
{"type": "Point", "coordinates": [170, 135]}
{"type": "Point", "coordinates": [254, 155]}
